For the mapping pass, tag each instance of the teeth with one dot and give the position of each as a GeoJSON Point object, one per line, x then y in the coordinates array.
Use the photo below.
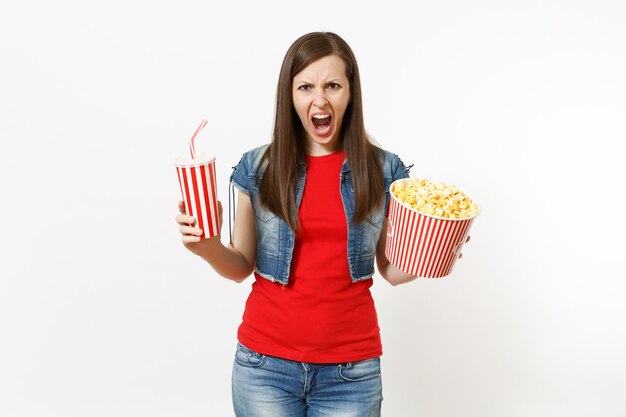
{"type": "Point", "coordinates": [321, 116]}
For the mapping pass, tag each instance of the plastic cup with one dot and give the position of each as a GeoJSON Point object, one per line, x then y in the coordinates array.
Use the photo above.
{"type": "Point", "coordinates": [421, 244]}
{"type": "Point", "coordinates": [198, 187]}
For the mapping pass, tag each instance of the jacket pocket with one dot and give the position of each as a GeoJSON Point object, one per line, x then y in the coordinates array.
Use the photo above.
{"type": "Point", "coordinates": [375, 218]}
{"type": "Point", "coordinates": [260, 211]}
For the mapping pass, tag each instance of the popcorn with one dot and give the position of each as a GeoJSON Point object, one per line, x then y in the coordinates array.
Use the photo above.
{"type": "Point", "coordinates": [434, 198]}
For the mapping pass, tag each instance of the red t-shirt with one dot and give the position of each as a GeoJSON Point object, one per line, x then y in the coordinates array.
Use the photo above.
{"type": "Point", "coordinates": [320, 316]}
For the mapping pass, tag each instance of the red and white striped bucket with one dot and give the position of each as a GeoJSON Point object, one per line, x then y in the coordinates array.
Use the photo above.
{"type": "Point", "coordinates": [421, 244]}
{"type": "Point", "coordinates": [198, 186]}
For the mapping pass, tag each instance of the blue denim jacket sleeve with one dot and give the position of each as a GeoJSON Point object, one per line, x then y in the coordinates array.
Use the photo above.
{"type": "Point", "coordinates": [240, 177]}
{"type": "Point", "coordinates": [398, 171]}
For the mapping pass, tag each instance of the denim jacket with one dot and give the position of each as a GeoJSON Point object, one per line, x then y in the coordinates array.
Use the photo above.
{"type": "Point", "coordinates": [275, 240]}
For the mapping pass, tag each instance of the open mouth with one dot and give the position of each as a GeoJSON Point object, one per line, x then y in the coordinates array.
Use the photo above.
{"type": "Point", "coordinates": [322, 123]}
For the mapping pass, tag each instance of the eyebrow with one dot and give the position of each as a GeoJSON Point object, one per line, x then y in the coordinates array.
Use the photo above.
{"type": "Point", "coordinates": [334, 80]}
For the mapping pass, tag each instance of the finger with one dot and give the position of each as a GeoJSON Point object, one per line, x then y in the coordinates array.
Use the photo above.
{"type": "Point", "coordinates": [220, 211]}
{"type": "Point", "coordinates": [190, 231]}
{"type": "Point", "coordinates": [468, 238]}
{"type": "Point", "coordinates": [181, 207]}
{"type": "Point", "coordinates": [460, 255]}
{"type": "Point", "coordinates": [191, 239]}
{"type": "Point", "coordinates": [183, 219]}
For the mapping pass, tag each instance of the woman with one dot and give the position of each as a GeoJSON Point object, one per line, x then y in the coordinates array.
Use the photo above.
{"type": "Point", "coordinates": [309, 223]}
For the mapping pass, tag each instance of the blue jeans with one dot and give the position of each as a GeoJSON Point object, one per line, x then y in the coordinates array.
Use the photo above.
{"type": "Point", "coordinates": [266, 386]}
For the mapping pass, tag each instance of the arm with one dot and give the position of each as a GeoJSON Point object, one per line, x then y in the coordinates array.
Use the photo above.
{"type": "Point", "coordinates": [234, 262]}
{"type": "Point", "coordinates": [392, 274]}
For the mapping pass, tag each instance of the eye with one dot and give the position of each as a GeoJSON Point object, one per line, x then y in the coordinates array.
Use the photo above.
{"type": "Point", "coordinates": [334, 86]}
{"type": "Point", "coordinates": [304, 87]}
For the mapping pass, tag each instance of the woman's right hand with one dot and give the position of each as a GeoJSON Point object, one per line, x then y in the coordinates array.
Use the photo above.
{"type": "Point", "coordinates": [192, 236]}
{"type": "Point", "coordinates": [235, 261]}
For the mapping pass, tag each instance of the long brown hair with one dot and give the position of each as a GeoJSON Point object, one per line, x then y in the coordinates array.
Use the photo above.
{"type": "Point", "coordinates": [287, 150]}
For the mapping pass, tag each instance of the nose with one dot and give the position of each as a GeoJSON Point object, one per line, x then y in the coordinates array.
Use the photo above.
{"type": "Point", "coordinates": [319, 99]}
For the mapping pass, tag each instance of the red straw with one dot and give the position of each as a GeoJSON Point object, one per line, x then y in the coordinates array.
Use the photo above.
{"type": "Point", "coordinates": [192, 147]}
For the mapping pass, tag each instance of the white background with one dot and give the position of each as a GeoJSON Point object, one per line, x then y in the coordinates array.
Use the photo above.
{"type": "Point", "coordinates": [521, 104]}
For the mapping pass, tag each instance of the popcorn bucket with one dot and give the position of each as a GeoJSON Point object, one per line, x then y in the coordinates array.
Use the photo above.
{"type": "Point", "coordinates": [198, 187]}
{"type": "Point", "coordinates": [421, 244]}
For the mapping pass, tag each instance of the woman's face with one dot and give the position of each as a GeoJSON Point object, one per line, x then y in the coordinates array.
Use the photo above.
{"type": "Point", "coordinates": [321, 93]}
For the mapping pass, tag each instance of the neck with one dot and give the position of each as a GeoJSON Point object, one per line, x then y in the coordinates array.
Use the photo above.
{"type": "Point", "coordinates": [318, 149]}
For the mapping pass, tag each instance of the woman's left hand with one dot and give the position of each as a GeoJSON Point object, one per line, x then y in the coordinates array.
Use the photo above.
{"type": "Point", "coordinates": [466, 240]}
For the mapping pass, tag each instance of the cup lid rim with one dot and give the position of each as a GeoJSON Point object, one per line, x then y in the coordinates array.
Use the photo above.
{"type": "Point", "coordinates": [200, 159]}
